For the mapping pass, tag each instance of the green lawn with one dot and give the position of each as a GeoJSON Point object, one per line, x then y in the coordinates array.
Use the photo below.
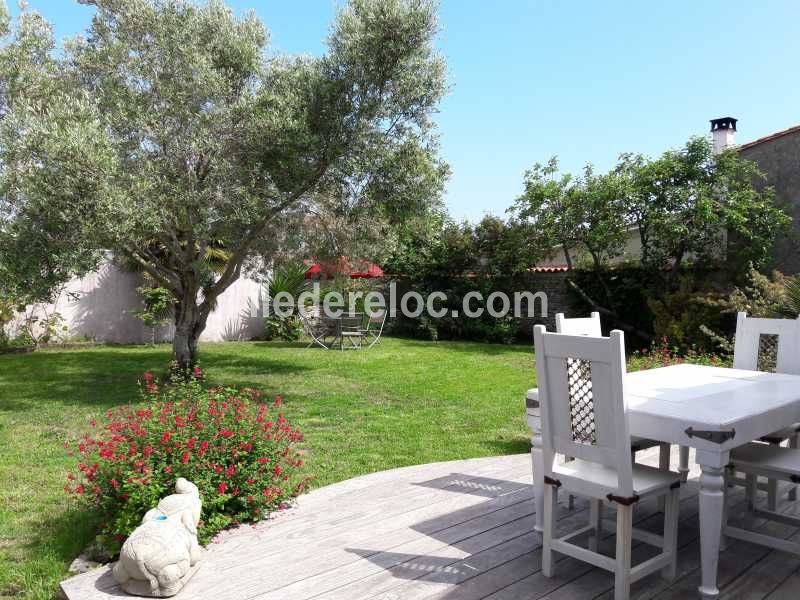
{"type": "Point", "coordinates": [401, 403]}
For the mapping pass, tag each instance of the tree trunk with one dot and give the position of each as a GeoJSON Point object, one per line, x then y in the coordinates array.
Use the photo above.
{"type": "Point", "coordinates": [567, 256]}
{"type": "Point", "coordinates": [190, 321]}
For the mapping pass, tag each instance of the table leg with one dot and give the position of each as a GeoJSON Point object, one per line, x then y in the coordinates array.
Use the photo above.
{"type": "Point", "coordinates": [712, 499]}
{"type": "Point", "coordinates": [683, 463]}
{"type": "Point", "coordinates": [537, 462]}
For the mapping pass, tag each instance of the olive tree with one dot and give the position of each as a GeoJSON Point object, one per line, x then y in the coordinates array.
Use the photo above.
{"type": "Point", "coordinates": [170, 130]}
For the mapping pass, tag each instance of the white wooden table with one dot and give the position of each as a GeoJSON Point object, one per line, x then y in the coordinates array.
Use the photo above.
{"type": "Point", "coordinates": [711, 409]}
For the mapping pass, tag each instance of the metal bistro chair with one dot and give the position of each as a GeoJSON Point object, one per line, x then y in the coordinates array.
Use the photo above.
{"type": "Point", "coordinates": [773, 346]}
{"type": "Point", "coordinates": [322, 330]}
{"type": "Point", "coordinates": [351, 331]}
{"type": "Point", "coordinates": [374, 327]}
{"type": "Point", "coordinates": [589, 372]}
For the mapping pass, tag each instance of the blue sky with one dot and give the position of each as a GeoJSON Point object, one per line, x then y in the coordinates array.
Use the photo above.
{"type": "Point", "coordinates": [578, 79]}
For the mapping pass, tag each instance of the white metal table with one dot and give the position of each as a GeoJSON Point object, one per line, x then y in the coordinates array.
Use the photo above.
{"type": "Point", "coordinates": [711, 409]}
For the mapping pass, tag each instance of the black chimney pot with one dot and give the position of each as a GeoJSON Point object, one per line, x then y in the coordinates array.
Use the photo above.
{"type": "Point", "coordinates": [723, 123]}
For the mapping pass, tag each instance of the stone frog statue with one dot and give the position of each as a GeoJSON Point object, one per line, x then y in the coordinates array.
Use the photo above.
{"type": "Point", "coordinates": [156, 558]}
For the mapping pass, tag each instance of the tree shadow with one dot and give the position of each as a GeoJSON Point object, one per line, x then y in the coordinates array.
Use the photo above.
{"type": "Point", "coordinates": [471, 347]}
{"type": "Point", "coordinates": [301, 344]}
{"type": "Point", "coordinates": [517, 445]}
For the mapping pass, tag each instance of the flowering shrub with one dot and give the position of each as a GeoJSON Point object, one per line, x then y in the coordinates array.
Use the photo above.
{"type": "Point", "coordinates": [237, 449]}
{"type": "Point", "coordinates": [662, 354]}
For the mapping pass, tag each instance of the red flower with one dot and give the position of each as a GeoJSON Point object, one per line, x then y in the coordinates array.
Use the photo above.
{"type": "Point", "coordinates": [152, 388]}
{"type": "Point", "coordinates": [165, 437]}
{"type": "Point", "coordinates": [147, 377]}
{"type": "Point", "coordinates": [226, 433]}
{"type": "Point", "coordinates": [223, 487]}
{"type": "Point", "coordinates": [198, 372]}
{"type": "Point", "coordinates": [185, 457]}
{"type": "Point", "coordinates": [277, 470]}
{"type": "Point", "coordinates": [263, 460]}
{"type": "Point", "coordinates": [114, 483]}
{"type": "Point", "coordinates": [230, 471]}
{"type": "Point", "coordinates": [167, 469]}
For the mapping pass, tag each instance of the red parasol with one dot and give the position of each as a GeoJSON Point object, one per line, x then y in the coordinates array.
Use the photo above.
{"type": "Point", "coordinates": [355, 270]}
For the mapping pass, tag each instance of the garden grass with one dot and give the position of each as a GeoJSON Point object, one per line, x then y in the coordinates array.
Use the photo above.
{"type": "Point", "coordinates": [401, 403]}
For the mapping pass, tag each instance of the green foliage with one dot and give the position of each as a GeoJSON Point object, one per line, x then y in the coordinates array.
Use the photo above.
{"type": "Point", "coordinates": [687, 201]}
{"type": "Point", "coordinates": [157, 310]}
{"type": "Point", "coordinates": [238, 450]}
{"type": "Point", "coordinates": [287, 329]}
{"type": "Point", "coordinates": [584, 213]}
{"type": "Point", "coordinates": [663, 353]}
{"type": "Point", "coordinates": [790, 304]}
{"type": "Point", "coordinates": [681, 316]}
{"type": "Point", "coordinates": [624, 289]}
{"type": "Point", "coordinates": [289, 280]}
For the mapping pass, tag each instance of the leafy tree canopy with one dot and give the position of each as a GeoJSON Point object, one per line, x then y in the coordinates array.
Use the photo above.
{"type": "Point", "coordinates": [584, 212]}
{"type": "Point", "coordinates": [689, 202]}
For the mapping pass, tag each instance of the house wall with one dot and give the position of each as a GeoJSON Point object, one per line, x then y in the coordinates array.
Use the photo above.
{"type": "Point", "coordinates": [779, 159]}
{"type": "Point", "coordinates": [632, 250]}
{"type": "Point", "coordinates": [99, 306]}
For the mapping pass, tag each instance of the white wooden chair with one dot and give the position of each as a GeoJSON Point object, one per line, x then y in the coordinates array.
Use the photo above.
{"type": "Point", "coordinates": [771, 345]}
{"type": "Point", "coordinates": [591, 326]}
{"type": "Point", "coordinates": [584, 415]}
{"type": "Point", "coordinates": [775, 463]}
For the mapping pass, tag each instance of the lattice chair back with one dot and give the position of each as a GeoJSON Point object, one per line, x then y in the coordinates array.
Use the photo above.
{"type": "Point", "coordinates": [582, 392]}
{"type": "Point", "coordinates": [771, 345]}
{"type": "Point", "coordinates": [579, 326]}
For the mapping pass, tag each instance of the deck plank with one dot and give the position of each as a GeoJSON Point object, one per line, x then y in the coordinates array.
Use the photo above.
{"type": "Point", "coordinates": [448, 531]}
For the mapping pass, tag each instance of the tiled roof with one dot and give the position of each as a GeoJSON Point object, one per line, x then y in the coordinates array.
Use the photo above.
{"type": "Point", "coordinates": [770, 137]}
{"type": "Point", "coordinates": [550, 269]}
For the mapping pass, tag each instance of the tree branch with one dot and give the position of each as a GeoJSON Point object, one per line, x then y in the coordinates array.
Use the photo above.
{"type": "Point", "coordinates": [626, 327]}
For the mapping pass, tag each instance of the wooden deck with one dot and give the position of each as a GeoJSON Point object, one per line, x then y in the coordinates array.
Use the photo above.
{"type": "Point", "coordinates": [450, 531]}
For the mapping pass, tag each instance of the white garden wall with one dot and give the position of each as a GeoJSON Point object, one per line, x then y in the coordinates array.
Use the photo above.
{"type": "Point", "coordinates": [99, 306]}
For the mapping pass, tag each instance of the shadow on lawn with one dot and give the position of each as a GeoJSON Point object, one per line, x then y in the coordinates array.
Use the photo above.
{"type": "Point", "coordinates": [71, 377]}
{"type": "Point", "coordinates": [66, 533]}
{"type": "Point", "coordinates": [300, 344]}
{"type": "Point", "coordinates": [519, 445]}
{"type": "Point", "coordinates": [471, 347]}
{"type": "Point", "coordinates": [104, 377]}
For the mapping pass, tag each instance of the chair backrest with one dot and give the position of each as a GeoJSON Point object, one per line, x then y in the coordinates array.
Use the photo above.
{"type": "Point", "coordinates": [580, 326]}
{"type": "Point", "coordinates": [351, 322]}
{"type": "Point", "coordinates": [377, 318]}
{"type": "Point", "coordinates": [582, 392]}
{"type": "Point", "coordinates": [771, 345]}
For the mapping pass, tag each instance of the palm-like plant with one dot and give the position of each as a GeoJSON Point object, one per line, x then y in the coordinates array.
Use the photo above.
{"type": "Point", "coordinates": [289, 278]}
{"type": "Point", "coordinates": [791, 302]}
